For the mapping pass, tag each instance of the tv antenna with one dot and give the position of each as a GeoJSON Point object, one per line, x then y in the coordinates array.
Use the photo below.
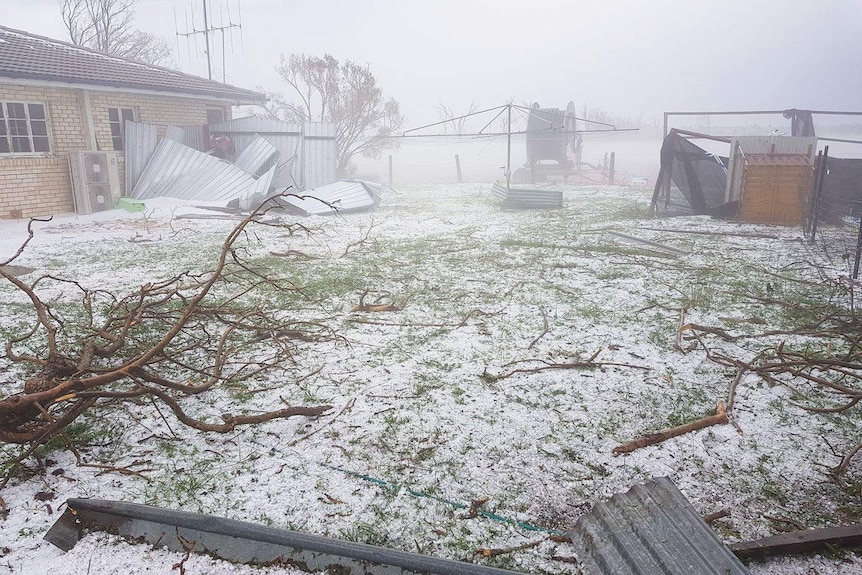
{"type": "Point", "coordinates": [208, 30]}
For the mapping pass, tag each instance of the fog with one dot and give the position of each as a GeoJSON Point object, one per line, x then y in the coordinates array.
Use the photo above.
{"type": "Point", "coordinates": [631, 58]}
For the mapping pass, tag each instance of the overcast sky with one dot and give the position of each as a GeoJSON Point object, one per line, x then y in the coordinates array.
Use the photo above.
{"type": "Point", "coordinates": [627, 57]}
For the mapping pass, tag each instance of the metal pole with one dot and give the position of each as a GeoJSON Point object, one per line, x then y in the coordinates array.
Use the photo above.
{"type": "Point", "coordinates": [509, 148]}
{"type": "Point", "coordinates": [390, 169]}
{"type": "Point", "coordinates": [458, 167]}
{"type": "Point", "coordinates": [858, 251]}
{"type": "Point", "coordinates": [818, 165]}
{"type": "Point", "coordinates": [820, 175]}
{"type": "Point", "coordinates": [207, 37]}
{"type": "Point", "coordinates": [664, 130]}
{"type": "Point", "coordinates": [223, 65]}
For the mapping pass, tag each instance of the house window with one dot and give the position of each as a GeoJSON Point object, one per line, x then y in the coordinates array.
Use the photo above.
{"type": "Point", "coordinates": [117, 118]}
{"type": "Point", "coordinates": [23, 128]}
{"type": "Point", "coordinates": [215, 116]}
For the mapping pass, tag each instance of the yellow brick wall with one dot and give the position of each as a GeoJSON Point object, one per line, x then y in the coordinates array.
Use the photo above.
{"type": "Point", "coordinates": [41, 185]}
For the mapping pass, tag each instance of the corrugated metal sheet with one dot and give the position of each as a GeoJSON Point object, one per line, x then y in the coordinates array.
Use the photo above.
{"type": "Point", "coordinates": [342, 197]}
{"type": "Point", "coordinates": [256, 194]}
{"type": "Point", "coordinates": [651, 529]}
{"type": "Point", "coordinates": [770, 160]}
{"type": "Point", "coordinates": [196, 137]}
{"type": "Point", "coordinates": [257, 157]}
{"type": "Point", "coordinates": [526, 199]}
{"type": "Point", "coordinates": [178, 171]}
{"type": "Point", "coordinates": [256, 125]}
{"type": "Point", "coordinates": [311, 145]}
{"type": "Point", "coordinates": [319, 155]}
{"type": "Point", "coordinates": [140, 143]}
{"type": "Point", "coordinates": [175, 133]}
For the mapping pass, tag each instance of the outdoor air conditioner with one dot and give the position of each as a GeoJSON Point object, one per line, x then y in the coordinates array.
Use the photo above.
{"type": "Point", "coordinates": [95, 181]}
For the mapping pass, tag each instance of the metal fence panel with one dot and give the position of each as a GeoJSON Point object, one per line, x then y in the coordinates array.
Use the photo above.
{"type": "Point", "coordinates": [140, 143]}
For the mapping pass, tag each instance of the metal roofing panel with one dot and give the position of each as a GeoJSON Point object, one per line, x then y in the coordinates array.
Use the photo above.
{"type": "Point", "coordinates": [777, 160]}
{"type": "Point", "coordinates": [255, 125]}
{"type": "Point", "coordinates": [140, 143]}
{"type": "Point", "coordinates": [776, 145]}
{"type": "Point", "coordinates": [256, 194]}
{"type": "Point", "coordinates": [526, 199]}
{"type": "Point", "coordinates": [175, 133]}
{"type": "Point", "coordinates": [311, 144]}
{"type": "Point", "coordinates": [652, 528]}
{"type": "Point", "coordinates": [288, 145]}
{"type": "Point", "coordinates": [26, 55]}
{"type": "Point", "coordinates": [320, 130]}
{"type": "Point", "coordinates": [257, 157]}
{"type": "Point", "coordinates": [343, 196]}
{"type": "Point", "coordinates": [177, 171]}
{"type": "Point", "coordinates": [318, 158]}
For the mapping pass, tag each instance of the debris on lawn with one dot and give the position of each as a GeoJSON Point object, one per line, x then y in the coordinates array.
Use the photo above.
{"type": "Point", "coordinates": [343, 197]}
{"type": "Point", "coordinates": [663, 248]}
{"type": "Point", "coordinates": [240, 541]}
{"type": "Point", "coordinates": [651, 528]}
{"type": "Point", "coordinates": [805, 541]}
{"type": "Point", "coordinates": [178, 171]}
{"type": "Point", "coordinates": [719, 418]}
{"type": "Point", "coordinates": [527, 199]}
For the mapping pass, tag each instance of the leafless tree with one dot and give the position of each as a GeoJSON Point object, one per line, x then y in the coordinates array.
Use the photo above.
{"type": "Point", "coordinates": [457, 120]}
{"type": "Point", "coordinates": [108, 26]}
{"type": "Point", "coordinates": [345, 94]}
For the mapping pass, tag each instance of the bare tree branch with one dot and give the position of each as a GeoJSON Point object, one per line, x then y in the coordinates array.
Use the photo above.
{"type": "Point", "coordinates": [108, 26]}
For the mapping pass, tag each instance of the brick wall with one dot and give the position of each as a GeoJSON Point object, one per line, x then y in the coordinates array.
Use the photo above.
{"type": "Point", "coordinates": [41, 185]}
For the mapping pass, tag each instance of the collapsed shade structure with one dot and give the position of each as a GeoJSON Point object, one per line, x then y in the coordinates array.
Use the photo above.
{"type": "Point", "coordinates": [693, 179]}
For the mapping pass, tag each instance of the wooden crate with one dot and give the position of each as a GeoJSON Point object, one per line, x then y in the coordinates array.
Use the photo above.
{"type": "Point", "coordinates": [775, 189]}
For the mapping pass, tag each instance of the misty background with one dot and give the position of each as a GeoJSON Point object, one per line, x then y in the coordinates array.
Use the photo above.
{"type": "Point", "coordinates": [631, 59]}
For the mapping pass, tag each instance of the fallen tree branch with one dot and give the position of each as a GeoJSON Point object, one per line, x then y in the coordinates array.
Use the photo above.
{"type": "Point", "coordinates": [720, 417]}
{"type": "Point", "coordinates": [165, 342]}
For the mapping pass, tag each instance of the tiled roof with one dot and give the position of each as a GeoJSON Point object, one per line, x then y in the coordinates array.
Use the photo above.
{"type": "Point", "coordinates": [27, 56]}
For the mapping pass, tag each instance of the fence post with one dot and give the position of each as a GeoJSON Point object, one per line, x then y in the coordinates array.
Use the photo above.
{"type": "Point", "coordinates": [858, 251]}
{"type": "Point", "coordinates": [611, 169]}
{"type": "Point", "coordinates": [820, 175]}
{"type": "Point", "coordinates": [458, 167]}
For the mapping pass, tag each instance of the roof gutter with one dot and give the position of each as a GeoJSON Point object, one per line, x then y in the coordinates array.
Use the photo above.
{"type": "Point", "coordinates": [241, 542]}
{"type": "Point", "coordinates": [39, 83]}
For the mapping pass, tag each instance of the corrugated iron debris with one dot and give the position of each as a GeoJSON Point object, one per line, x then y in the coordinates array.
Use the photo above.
{"type": "Point", "coordinates": [178, 171]}
{"type": "Point", "coordinates": [241, 162]}
{"type": "Point", "coordinates": [243, 542]}
{"type": "Point", "coordinates": [341, 197]}
{"type": "Point", "coordinates": [524, 199]}
{"type": "Point", "coordinates": [652, 528]}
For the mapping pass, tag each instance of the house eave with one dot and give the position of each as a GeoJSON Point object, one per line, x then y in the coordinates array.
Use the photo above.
{"type": "Point", "coordinates": [22, 80]}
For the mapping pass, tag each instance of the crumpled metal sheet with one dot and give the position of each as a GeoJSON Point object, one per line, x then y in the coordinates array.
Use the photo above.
{"type": "Point", "coordinates": [255, 195]}
{"type": "Point", "coordinates": [341, 197]}
{"type": "Point", "coordinates": [178, 171]}
{"type": "Point", "coordinates": [257, 157]}
{"type": "Point", "coordinates": [652, 528]}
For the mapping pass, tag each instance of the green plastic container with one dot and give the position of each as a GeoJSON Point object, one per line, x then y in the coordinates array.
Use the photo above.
{"type": "Point", "coordinates": [131, 204]}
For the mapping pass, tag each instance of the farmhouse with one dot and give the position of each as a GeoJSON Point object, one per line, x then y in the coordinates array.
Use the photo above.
{"type": "Point", "coordinates": [57, 100]}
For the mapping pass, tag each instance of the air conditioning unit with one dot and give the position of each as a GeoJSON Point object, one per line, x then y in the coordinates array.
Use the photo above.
{"type": "Point", "coordinates": [95, 181]}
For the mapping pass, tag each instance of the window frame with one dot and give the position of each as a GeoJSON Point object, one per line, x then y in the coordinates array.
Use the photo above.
{"type": "Point", "coordinates": [215, 109]}
{"type": "Point", "coordinates": [7, 136]}
{"type": "Point", "coordinates": [121, 123]}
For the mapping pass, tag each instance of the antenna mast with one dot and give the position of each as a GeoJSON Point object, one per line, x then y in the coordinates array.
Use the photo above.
{"type": "Point", "coordinates": [206, 31]}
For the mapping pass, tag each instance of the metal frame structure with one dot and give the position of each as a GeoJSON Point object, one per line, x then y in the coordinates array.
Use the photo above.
{"type": "Point", "coordinates": [507, 108]}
